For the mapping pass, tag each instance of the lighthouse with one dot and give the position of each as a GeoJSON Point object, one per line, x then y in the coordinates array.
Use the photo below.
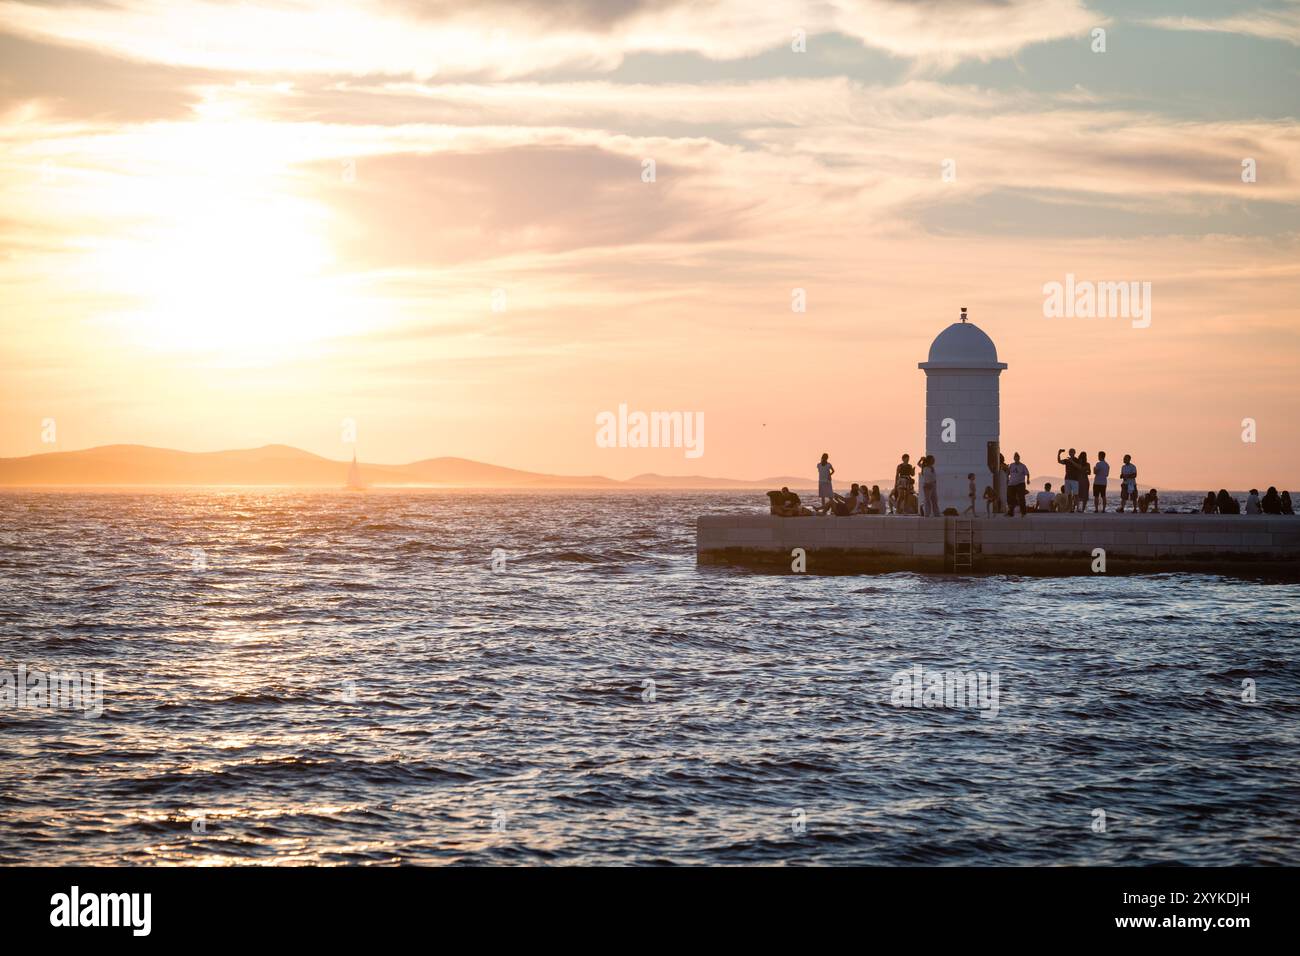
{"type": "Point", "coordinates": [961, 412]}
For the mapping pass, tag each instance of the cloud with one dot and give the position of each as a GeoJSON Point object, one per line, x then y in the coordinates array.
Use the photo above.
{"type": "Point", "coordinates": [437, 209]}
{"type": "Point", "coordinates": [595, 15]}
{"type": "Point", "coordinates": [93, 85]}
{"type": "Point", "coordinates": [1282, 23]}
{"type": "Point", "coordinates": [509, 40]}
{"type": "Point", "coordinates": [943, 33]}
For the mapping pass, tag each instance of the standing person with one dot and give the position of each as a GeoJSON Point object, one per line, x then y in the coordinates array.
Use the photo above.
{"type": "Point", "coordinates": [1085, 470]}
{"type": "Point", "coordinates": [904, 476]}
{"type": "Point", "coordinates": [921, 464]}
{"type": "Point", "coordinates": [1100, 473]}
{"type": "Point", "coordinates": [970, 509]}
{"type": "Point", "coordinates": [824, 471]}
{"type": "Point", "coordinates": [1070, 485]}
{"type": "Point", "coordinates": [930, 486]}
{"type": "Point", "coordinates": [1017, 476]}
{"type": "Point", "coordinates": [1128, 484]}
{"type": "Point", "coordinates": [1000, 485]}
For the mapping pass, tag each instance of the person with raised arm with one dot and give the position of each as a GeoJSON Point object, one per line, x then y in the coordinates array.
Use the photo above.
{"type": "Point", "coordinates": [1070, 485]}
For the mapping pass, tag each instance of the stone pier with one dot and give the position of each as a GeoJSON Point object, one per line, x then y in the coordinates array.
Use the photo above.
{"type": "Point", "coordinates": [1049, 544]}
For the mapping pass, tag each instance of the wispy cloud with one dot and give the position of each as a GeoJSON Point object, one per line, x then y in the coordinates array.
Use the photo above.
{"type": "Point", "coordinates": [1269, 23]}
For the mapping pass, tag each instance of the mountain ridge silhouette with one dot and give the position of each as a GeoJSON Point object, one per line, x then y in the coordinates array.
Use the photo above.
{"type": "Point", "coordinates": [278, 464]}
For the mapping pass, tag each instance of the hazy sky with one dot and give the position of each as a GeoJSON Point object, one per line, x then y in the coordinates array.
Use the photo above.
{"type": "Point", "coordinates": [226, 225]}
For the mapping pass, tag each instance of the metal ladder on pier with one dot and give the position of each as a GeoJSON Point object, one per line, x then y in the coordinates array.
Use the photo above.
{"type": "Point", "coordinates": [963, 547]}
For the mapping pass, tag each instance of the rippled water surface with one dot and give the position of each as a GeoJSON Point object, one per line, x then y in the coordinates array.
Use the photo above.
{"type": "Point", "coordinates": [342, 678]}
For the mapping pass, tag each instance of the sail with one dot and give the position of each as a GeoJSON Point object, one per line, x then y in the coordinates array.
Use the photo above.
{"type": "Point", "coordinates": [354, 474]}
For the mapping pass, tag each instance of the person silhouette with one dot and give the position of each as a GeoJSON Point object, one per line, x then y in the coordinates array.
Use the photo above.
{"type": "Point", "coordinates": [1128, 484]}
{"type": "Point", "coordinates": [1085, 471]}
{"type": "Point", "coordinates": [930, 486]}
{"type": "Point", "coordinates": [904, 482]}
{"type": "Point", "coordinates": [1017, 479]}
{"type": "Point", "coordinates": [1100, 475]}
{"type": "Point", "coordinates": [825, 469]}
{"type": "Point", "coordinates": [1070, 486]}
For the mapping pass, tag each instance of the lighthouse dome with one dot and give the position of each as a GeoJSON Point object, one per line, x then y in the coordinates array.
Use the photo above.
{"type": "Point", "coordinates": [963, 345]}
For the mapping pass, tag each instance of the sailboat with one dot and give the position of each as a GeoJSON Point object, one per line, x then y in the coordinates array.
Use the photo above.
{"type": "Point", "coordinates": [354, 476]}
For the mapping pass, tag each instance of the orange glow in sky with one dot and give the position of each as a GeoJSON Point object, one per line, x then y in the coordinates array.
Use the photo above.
{"type": "Point", "coordinates": [223, 226]}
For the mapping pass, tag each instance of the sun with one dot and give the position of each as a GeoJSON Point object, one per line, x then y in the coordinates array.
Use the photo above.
{"type": "Point", "coordinates": [229, 276]}
{"type": "Point", "coordinates": [225, 246]}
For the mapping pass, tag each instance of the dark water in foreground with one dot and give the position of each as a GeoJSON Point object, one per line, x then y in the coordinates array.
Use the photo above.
{"type": "Point", "coordinates": [349, 680]}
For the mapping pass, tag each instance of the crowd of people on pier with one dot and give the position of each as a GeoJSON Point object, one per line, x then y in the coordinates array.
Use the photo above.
{"type": "Point", "coordinates": [1271, 504]}
{"type": "Point", "coordinates": [915, 492]}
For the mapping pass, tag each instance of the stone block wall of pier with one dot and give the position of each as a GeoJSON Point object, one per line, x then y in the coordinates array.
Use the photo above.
{"type": "Point", "coordinates": [1036, 544]}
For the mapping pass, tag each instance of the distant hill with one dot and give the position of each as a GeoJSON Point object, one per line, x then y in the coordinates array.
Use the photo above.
{"type": "Point", "coordinates": [284, 465]}
{"type": "Point", "coordinates": [462, 472]}
{"type": "Point", "coordinates": [651, 480]}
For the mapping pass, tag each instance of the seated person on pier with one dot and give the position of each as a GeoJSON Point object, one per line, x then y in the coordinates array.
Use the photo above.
{"type": "Point", "coordinates": [904, 501]}
{"type": "Point", "coordinates": [1046, 501]}
{"type": "Point", "coordinates": [786, 504]}
{"type": "Point", "coordinates": [843, 507]}
{"type": "Point", "coordinates": [835, 504]}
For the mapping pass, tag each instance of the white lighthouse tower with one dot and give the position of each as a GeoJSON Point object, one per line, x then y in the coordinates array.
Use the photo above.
{"type": "Point", "coordinates": [962, 412]}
